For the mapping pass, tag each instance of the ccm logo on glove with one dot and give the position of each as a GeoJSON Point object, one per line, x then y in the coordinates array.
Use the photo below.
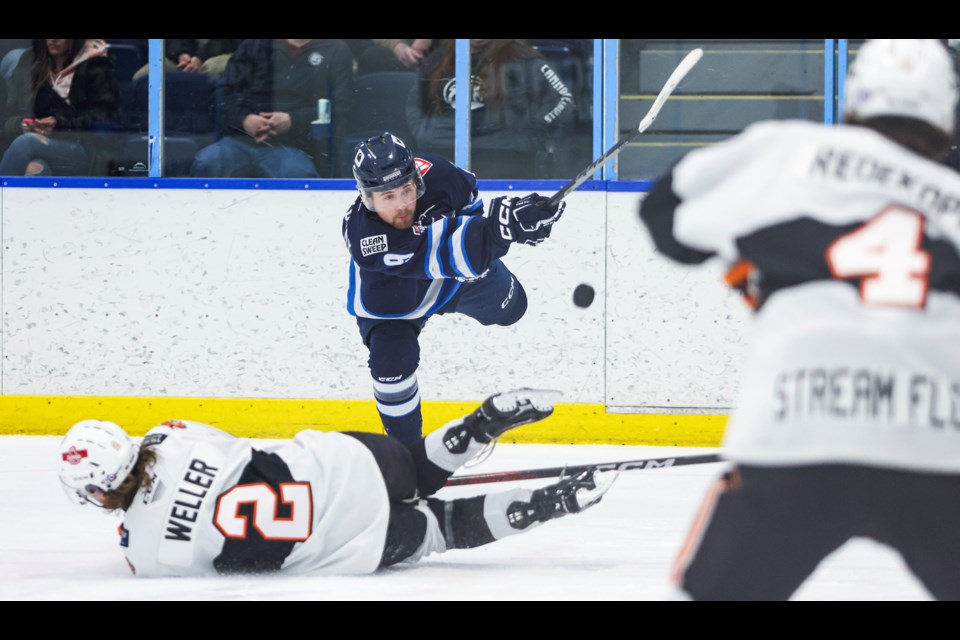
{"type": "Point", "coordinates": [527, 220]}
{"type": "Point", "coordinates": [506, 208]}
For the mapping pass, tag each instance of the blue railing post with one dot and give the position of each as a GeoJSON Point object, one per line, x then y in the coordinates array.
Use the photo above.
{"type": "Point", "coordinates": [463, 98]}
{"type": "Point", "coordinates": [597, 102]}
{"type": "Point", "coordinates": [828, 84]}
{"type": "Point", "coordinates": [155, 109]}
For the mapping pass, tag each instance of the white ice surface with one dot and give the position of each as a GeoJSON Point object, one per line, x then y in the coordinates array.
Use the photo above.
{"type": "Point", "coordinates": [622, 549]}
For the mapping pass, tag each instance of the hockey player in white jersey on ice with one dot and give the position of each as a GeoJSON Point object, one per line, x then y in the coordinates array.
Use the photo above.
{"type": "Point", "coordinates": [199, 501]}
{"type": "Point", "coordinates": [846, 241]}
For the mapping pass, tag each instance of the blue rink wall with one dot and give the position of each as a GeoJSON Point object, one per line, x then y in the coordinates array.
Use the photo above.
{"type": "Point", "coordinates": [139, 300]}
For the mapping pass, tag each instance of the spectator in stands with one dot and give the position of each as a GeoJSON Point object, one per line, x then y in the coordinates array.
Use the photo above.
{"type": "Point", "coordinates": [394, 55]}
{"type": "Point", "coordinates": [72, 92]}
{"type": "Point", "coordinates": [189, 55]}
{"type": "Point", "coordinates": [270, 91]}
{"type": "Point", "coordinates": [519, 106]}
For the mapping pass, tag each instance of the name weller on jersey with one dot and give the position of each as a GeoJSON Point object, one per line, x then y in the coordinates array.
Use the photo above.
{"type": "Point", "coordinates": [191, 491]}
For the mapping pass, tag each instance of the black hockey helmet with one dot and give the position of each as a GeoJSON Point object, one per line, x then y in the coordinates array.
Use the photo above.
{"type": "Point", "coordinates": [382, 163]}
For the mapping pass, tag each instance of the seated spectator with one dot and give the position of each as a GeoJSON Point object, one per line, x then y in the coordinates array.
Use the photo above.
{"type": "Point", "coordinates": [519, 107]}
{"type": "Point", "coordinates": [189, 55]}
{"type": "Point", "coordinates": [73, 92]}
{"type": "Point", "coordinates": [215, 55]}
{"type": "Point", "coordinates": [394, 55]}
{"type": "Point", "coordinates": [269, 94]}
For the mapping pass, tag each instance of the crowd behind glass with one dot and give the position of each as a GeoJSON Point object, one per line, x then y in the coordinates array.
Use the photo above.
{"type": "Point", "coordinates": [280, 108]}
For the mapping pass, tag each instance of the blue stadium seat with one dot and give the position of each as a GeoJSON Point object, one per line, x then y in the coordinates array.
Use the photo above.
{"type": "Point", "coordinates": [127, 60]}
{"type": "Point", "coordinates": [188, 102]}
{"type": "Point", "coordinates": [190, 120]}
{"type": "Point", "coordinates": [3, 102]}
{"type": "Point", "coordinates": [141, 44]}
{"type": "Point", "coordinates": [9, 62]}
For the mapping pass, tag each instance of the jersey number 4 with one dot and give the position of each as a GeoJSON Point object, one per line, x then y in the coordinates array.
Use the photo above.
{"type": "Point", "coordinates": [885, 253]}
{"type": "Point", "coordinates": [266, 519]}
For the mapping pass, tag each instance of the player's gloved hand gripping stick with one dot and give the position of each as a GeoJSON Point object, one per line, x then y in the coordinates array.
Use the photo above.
{"type": "Point", "coordinates": [526, 220]}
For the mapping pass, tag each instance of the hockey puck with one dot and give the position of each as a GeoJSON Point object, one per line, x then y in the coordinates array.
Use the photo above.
{"type": "Point", "coordinates": [583, 295]}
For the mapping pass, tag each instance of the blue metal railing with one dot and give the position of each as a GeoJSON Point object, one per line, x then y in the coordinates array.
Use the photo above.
{"type": "Point", "coordinates": [828, 46]}
{"type": "Point", "coordinates": [463, 98]}
{"type": "Point", "coordinates": [611, 111]}
{"type": "Point", "coordinates": [155, 107]}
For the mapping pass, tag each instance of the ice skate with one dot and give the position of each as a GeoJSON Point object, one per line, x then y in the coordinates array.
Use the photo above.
{"type": "Point", "coordinates": [570, 495]}
{"type": "Point", "coordinates": [498, 414]}
{"type": "Point", "coordinates": [504, 411]}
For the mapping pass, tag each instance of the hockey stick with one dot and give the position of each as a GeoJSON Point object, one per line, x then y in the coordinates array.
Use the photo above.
{"type": "Point", "coordinates": [528, 474]}
{"type": "Point", "coordinates": [678, 74]}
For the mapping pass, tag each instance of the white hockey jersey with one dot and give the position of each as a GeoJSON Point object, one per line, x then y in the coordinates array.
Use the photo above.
{"type": "Point", "coordinates": [847, 244]}
{"type": "Point", "coordinates": [316, 504]}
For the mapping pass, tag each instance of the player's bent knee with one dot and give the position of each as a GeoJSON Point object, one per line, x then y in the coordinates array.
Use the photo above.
{"type": "Point", "coordinates": [502, 312]}
{"type": "Point", "coordinates": [516, 308]}
{"type": "Point", "coordinates": [397, 341]}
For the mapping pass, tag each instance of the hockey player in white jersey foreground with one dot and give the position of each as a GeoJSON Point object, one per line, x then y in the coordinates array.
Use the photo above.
{"type": "Point", "coordinates": [846, 241]}
{"type": "Point", "coordinates": [199, 501]}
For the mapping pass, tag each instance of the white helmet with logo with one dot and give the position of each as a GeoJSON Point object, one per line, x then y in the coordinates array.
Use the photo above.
{"type": "Point", "coordinates": [95, 457]}
{"type": "Point", "coordinates": [909, 78]}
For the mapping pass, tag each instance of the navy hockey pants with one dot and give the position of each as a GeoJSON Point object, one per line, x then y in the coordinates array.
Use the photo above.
{"type": "Point", "coordinates": [496, 299]}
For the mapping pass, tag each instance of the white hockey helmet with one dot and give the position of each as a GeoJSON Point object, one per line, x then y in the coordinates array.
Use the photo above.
{"type": "Point", "coordinates": [95, 457]}
{"type": "Point", "coordinates": [909, 78]}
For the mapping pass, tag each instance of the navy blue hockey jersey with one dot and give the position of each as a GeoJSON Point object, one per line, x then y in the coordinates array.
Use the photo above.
{"type": "Point", "coordinates": [412, 273]}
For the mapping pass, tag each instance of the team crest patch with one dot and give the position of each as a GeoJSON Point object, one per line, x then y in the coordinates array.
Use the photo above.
{"type": "Point", "coordinates": [74, 455]}
{"type": "Point", "coordinates": [423, 165]}
{"type": "Point", "coordinates": [315, 59]}
{"type": "Point", "coordinates": [373, 244]}
{"type": "Point", "coordinates": [417, 229]}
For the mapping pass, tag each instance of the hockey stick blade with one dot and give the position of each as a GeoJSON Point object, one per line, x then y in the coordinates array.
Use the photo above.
{"type": "Point", "coordinates": [552, 472]}
{"type": "Point", "coordinates": [678, 74]}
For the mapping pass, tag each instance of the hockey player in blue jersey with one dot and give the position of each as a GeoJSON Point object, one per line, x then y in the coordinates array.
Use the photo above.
{"type": "Point", "coordinates": [420, 244]}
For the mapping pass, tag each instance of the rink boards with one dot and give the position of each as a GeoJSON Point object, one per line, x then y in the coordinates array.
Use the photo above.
{"type": "Point", "coordinates": [229, 305]}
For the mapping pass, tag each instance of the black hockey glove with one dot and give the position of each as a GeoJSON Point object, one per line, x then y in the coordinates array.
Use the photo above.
{"type": "Point", "coordinates": [527, 220]}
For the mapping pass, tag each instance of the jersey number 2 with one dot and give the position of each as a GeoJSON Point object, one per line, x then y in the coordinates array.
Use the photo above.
{"type": "Point", "coordinates": [885, 252]}
{"type": "Point", "coordinates": [266, 519]}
